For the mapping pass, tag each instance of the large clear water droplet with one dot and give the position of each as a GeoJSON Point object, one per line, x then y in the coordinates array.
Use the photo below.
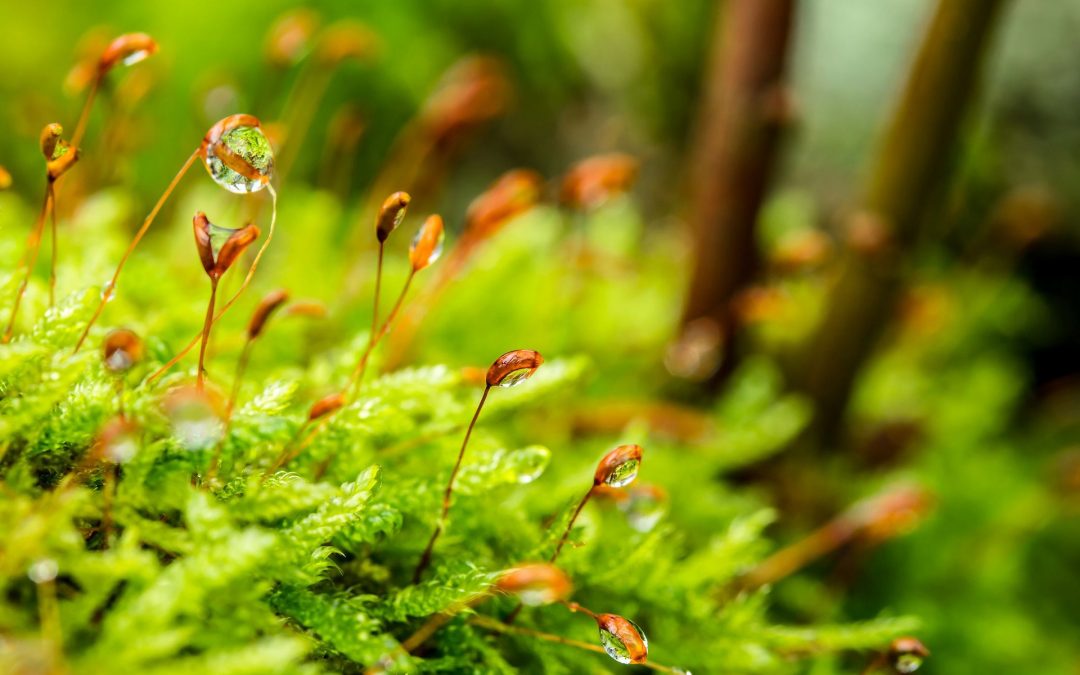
{"type": "Point", "coordinates": [621, 644]}
{"type": "Point", "coordinates": [529, 463]}
{"type": "Point", "coordinates": [623, 474]}
{"type": "Point", "coordinates": [251, 145]}
{"type": "Point", "coordinates": [516, 377]}
{"type": "Point", "coordinates": [908, 663]}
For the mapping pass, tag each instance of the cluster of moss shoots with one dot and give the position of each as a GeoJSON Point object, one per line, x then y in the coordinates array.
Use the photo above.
{"type": "Point", "coordinates": [238, 157]}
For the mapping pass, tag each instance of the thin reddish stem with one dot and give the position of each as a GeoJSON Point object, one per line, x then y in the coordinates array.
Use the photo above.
{"type": "Point", "coordinates": [570, 525]}
{"type": "Point", "coordinates": [111, 286]}
{"type": "Point", "coordinates": [243, 286]}
{"type": "Point", "coordinates": [52, 230]}
{"type": "Point", "coordinates": [84, 116]}
{"type": "Point", "coordinates": [33, 245]}
{"type": "Point", "coordinates": [425, 559]}
{"type": "Point", "coordinates": [208, 323]}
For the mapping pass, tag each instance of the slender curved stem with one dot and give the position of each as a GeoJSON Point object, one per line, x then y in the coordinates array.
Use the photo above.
{"type": "Point", "coordinates": [84, 116]}
{"type": "Point", "coordinates": [107, 292]}
{"type": "Point", "coordinates": [378, 290]}
{"type": "Point", "coordinates": [570, 525]}
{"type": "Point", "coordinates": [361, 366]}
{"type": "Point", "coordinates": [208, 323]}
{"type": "Point", "coordinates": [33, 245]}
{"type": "Point", "coordinates": [238, 377]}
{"type": "Point", "coordinates": [52, 231]}
{"type": "Point", "coordinates": [243, 286]}
{"type": "Point", "coordinates": [425, 559]}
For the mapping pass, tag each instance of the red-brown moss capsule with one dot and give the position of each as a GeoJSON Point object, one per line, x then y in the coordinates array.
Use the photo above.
{"type": "Point", "coordinates": [270, 303]}
{"type": "Point", "coordinates": [127, 49]}
{"type": "Point", "coordinates": [427, 246]}
{"type": "Point", "coordinates": [619, 467]}
{"type": "Point", "coordinates": [309, 308]}
{"type": "Point", "coordinates": [5, 178]}
{"type": "Point", "coordinates": [513, 368]}
{"type": "Point", "coordinates": [513, 193]}
{"type": "Point", "coordinates": [473, 91]}
{"type": "Point", "coordinates": [121, 350]}
{"type": "Point", "coordinates": [51, 141]}
{"type": "Point", "coordinates": [346, 39]}
{"type": "Point", "coordinates": [594, 180]}
{"type": "Point", "coordinates": [290, 37]}
{"type": "Point", "coordinates": [906, 654]}
{"type": "Point", "coordinates": [622, 639]}
{"type": "Point", "coordinates": [118, 441]}
{"type": "Point", "coordinates": [326, 405]}
{"type": "Point", "coordinates": [216, 260]}
{"type": "Point", "coordinates": [391, 214]}
{"type": "Point", "coordinates": [536, 584]}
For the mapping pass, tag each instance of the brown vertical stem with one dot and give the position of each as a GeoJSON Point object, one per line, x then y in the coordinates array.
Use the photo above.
{"type": "Point", "coordinates": [52, 232]}
{"type": "Point", "coordinates": [425, 559]}
{"type": "Point", "coordinates": [207, 324]}
{"type": "Point", "coordinates": [107, 292]}
{"type": "Point", "coordinates": [746, 106]}
{"type": "Point", "coordinates": [33, 245]}
{"type": "Point", "coordinates": [378, 289]}
{"type": "Point", "coordinates": [84, 116]}
{"type": "Point", "coordinates": [570, 525]}
{"type": "Point", "coordinates": [905, 182]}
{"type": "Point", "coordinates": [373, 340]}
{"type": "Point", "coordinates": [235, 296]}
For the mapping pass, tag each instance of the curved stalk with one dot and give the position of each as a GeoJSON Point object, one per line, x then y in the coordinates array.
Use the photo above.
{"type": "Point", "coordinates": [33, 245]}
{"type": "Point", "coordinates": [208, 322]}
{"type": "Point", "coordinates": [243, 286]}
{"type": "Point", "coordinates": [425, 559]}
{"type": "Point", "coordinates": [107, 292]}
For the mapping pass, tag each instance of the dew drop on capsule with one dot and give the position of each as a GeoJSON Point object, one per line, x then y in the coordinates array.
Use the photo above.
{"type": "Point", "coordinates": [619, 467]}
{"type": "Point", "coordinates": [622, 639]}
{"type": "Point", "coordinates": [907, 663]}
{"type": "Point", "coordinates": [249, 144]}
{"type": "Point", "coordinates": [623, 474]}
{"type": "Point", "coordinates": [436, 250]}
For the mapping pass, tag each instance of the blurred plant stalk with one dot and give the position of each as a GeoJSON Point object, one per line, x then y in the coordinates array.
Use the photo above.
{"type": "Point", "coordinates": [746, 108]}
{"type": "Point", "coordinates": [906, 182]}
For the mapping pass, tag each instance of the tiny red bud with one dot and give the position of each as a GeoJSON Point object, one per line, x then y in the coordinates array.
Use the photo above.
{"type": "Point", "coordinates": [270, 303]}
{"type": "Point", "coordinates": [121, 350]}
{"type": "Point", "coordinates": [536, 584]}
{"type": "Point", "coordinates": [513, 193]}
{"type": "Point", "coordinates": [326, 405]}
{"type": "Point", "coordinates": [595, 180]}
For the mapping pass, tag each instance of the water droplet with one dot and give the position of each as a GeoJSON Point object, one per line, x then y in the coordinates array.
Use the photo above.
{"type": "Point", "coordinates": [135, 56]}
{"type": "Point", "coordinates": [908, 663]}
{"type": "Point", "coordinates": [529, 463]}
{"type": "Point", "coordinates": [218, 236]}
{"type": "Point", "coordinates": [427, 245]}
{"type": "Point", "coordinates": [121, 350]}
{"type": "Point", "coordinates": [516, 377]}
{"type": "Point", "coordinates": [622, 639]}
{"type": "Point", "coordinates": [644, 507]}
{"type": "Point", "coordinates": [195, 417]}
{"type": "Point", "coordinates": [623, 474]}
{"type": "Point", "coordinates": [249, 144]}
{"type": "Point", "coordinates": [43, 570]}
